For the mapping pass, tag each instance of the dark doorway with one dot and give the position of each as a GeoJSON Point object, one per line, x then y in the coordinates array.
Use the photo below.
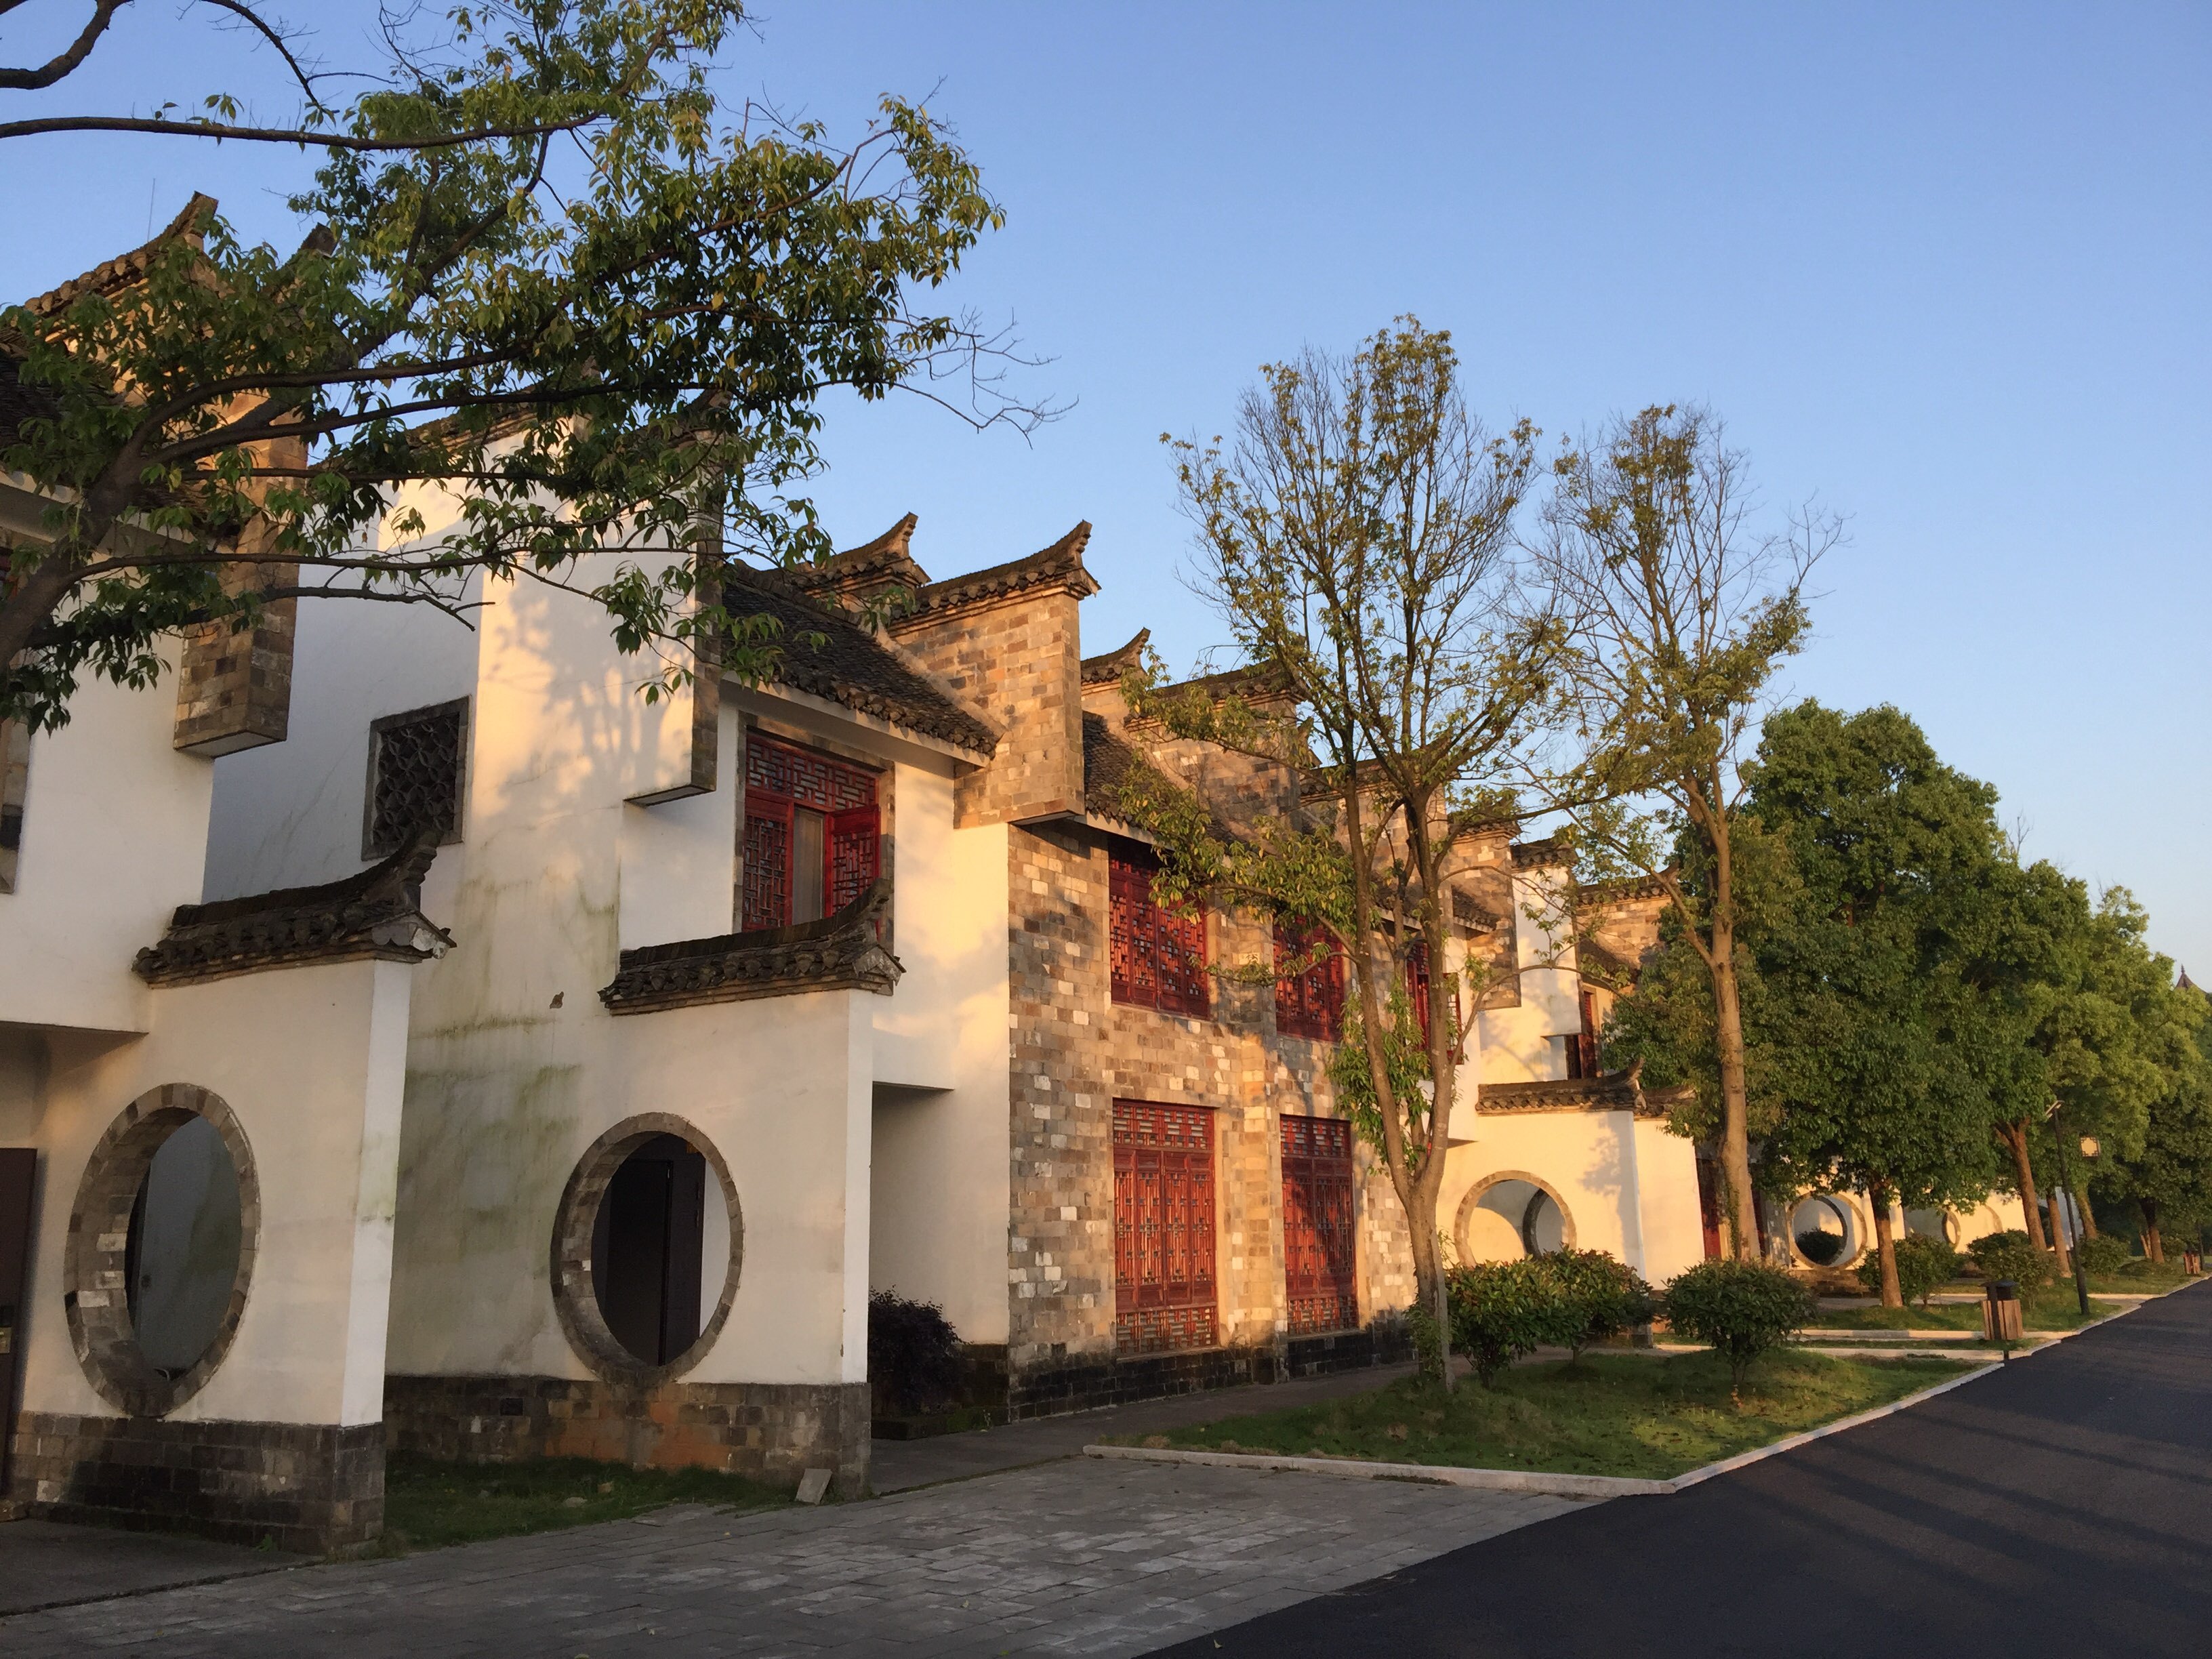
{"type": "Point", "coordinates": [19, 1173]}
{"type": "Point", "coordinates": [647, 1245]}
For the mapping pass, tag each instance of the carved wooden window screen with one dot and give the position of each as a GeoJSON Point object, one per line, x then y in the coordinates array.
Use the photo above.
{"type": "Point", "coordinates": [1309, 1003]}
{"type": "Point", "coordinates": [1157, 956]}
{"type": "Point", "coordinates": [415, 769]}
{"type": "Point", "coordinates": [1163, 1270]}
{"type": "Point", "coordinates": [1318, 1247]}
{"type": "Point", "coordinates": [780, 780]}
{"type": "Point", "coordinates": [1417, 992]}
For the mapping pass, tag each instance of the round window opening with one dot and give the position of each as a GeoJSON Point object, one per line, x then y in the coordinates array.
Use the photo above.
{"type": "Point", "coordinates": [1822, 1230]}
{"type": "Point", "coordinates": [161, 1249]}
{"type": "Point", "coordinates": [1512, 1217]}
{"type": "Point", "coordinates": [646, 1250]}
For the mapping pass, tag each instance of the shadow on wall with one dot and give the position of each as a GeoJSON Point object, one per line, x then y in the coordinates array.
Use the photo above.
{"type": "Point", "coordinates": [1511, 1220]}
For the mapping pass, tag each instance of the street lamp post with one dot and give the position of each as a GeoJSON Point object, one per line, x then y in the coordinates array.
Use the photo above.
{"type": "Point", "coordinates": [2066, 1186]}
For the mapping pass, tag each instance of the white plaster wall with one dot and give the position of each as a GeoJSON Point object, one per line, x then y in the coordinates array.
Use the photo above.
{"type": "Point", "coordinates": [1517, 1042]}
{"type": "Point", "coordinates": [115, 825]}
{"type": "Point", "coordinates": [1630, 1188]}
{"type": "Point", "coordinates": [1667, 1194]}
{"type": "Point", "coordinates": [779, 1087]}
{"type": "Point", "coordinates": [309, 1061]}
{"type": "Point", "coordinates": [942, 1189]}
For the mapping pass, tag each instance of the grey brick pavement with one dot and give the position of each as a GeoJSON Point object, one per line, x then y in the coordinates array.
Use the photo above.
{"type": "Point", "coordinates": [1080, 1557]}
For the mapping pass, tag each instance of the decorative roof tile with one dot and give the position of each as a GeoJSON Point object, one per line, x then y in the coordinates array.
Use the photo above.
{"type": "Point", "coordinates": [1058, 566]}
{"type": "Point", "coordinates": [861, 573]}
{"type": "Point", "coordinates": [1108, 666]}
{"type": "Point", "coordinates": [1616, 1091]}
{"type": "Point", "coordinates": [838, 953]}
{"type": "Point", "coordinates": [377, 914]}
{"type": "Point", "coordinates": [125, 269]}
{"type": "Point", "coordinates": [1547, 853]}
{"type": "Point", "coordinates": [824, 653]}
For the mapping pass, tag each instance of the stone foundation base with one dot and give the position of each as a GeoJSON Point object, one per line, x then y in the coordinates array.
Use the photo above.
{"type": "Point", "coordinates": [769, 1432]}
{"type": "Point", "coordinates": [1087, 1382]}
{"type": "Point", "coordinates": [307, 1487]}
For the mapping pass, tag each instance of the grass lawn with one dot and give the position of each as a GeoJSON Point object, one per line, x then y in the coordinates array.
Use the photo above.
{"type": "Point", "coordinates": [2053, 1308]}
{"type": "Point", "coordinates": [1611, 1414]}
{"type": "Point", "coordinates": [2139, 1278]}
{"type": "Point", "coordinates": [428, 1503]}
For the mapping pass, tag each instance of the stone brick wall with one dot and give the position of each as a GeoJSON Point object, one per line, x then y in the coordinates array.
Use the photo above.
{"type": "Point", "coordinates": [770, 1432]}
{"type": "Point", "coordinates": [235, 690]}
{"type": "Point", "coordinates": [306, 1488]}
{"type": "Point", "coordinates": [1016, 660]}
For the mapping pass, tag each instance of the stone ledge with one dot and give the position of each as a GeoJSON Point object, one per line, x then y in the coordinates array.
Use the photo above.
{"type": "Point", "coordinates": [838, 953]}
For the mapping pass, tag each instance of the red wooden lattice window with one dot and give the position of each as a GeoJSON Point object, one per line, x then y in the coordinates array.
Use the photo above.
{"type": "Point", "coordinates": [813, 835]}
{"type": "Point", "coordinates": [1317, 1236]}
{"type": "Point", "coordinates": [1416, 989]}
{"type": "Point", "coordinates": [1157, 956]}
{"type": "Point", "coordinates": [1164, 1284]}
{"type": "Point", "coordinates": [1310, 1003]}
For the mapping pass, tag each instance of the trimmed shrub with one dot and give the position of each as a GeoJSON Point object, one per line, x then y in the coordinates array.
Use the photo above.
{"type": "Point", "coordinates": [1502, 1311]}
{"type": "Point", "coordinates": [1742, 1309]}
{"type": "Point", "coordinates": [1925, 1265]}
{"type": "Point", "coordinates": [1820, 1248]}
{"type": "Point", "coordinates": [1604, 1295]}
{"type": "Point", "coordinates": [2012, 1254]}
{"type": "Point", "coordinates": [2106, 1254]}
{"type": "Point", "coordinates": [913, 1356]}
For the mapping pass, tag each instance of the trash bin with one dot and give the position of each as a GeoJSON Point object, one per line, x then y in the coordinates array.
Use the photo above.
{"type": "Point", "coordinates": [2001, 1310]}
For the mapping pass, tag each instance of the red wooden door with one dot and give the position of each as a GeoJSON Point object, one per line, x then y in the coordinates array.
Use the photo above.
{"type": "Point", "coordinates": [1164, 1278]}
{"type": "Point", "coordinates": [1317, 1236]}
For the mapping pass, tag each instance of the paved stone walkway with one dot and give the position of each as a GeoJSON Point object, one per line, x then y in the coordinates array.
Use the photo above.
{"type": "Point", "coordinates": [1080, 1557]}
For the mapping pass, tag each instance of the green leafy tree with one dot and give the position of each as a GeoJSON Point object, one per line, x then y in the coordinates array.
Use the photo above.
{"type": "Point", "coordinates": [1887, 1066]}
{"type": "Point", "coordinates": [1920, 1265]}
{"type": "Point", "coordinates": [1357, 541]}
{"type": "Point", "coordinates": [541, 270]}
{"type": "Point", "coordinates": [1682, 612]}
{"type": "Point", "coordinates": [2169, 1179]}
{"type": "Point", "coordinates": [1502, 1311]}
{"type": "Point", "coordinates": [1604, 1295]}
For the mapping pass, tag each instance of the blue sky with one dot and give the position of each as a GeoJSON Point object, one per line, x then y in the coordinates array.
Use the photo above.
{"type": "Point", "coordinates": [1946, 268]}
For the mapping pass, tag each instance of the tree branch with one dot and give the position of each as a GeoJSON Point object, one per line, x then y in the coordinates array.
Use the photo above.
{"type": "Point", "coordinates": [31, 79]}
{"type": "Point", "coordinates": [304, 137]}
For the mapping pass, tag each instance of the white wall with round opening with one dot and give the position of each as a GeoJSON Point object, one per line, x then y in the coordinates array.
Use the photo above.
{"type": "Point", "coordinates": [1824, 1230]}
{"type": "Point", "coordinates": [1512, 1215]}
{"type": "Point", "coordinates": [162, 1248]}
{"type": "Point", "coordinates": [646, 1249]}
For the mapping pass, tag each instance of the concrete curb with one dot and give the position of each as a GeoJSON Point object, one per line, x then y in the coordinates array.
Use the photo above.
{"type": "Point", "coordinates": [1529, 1480]}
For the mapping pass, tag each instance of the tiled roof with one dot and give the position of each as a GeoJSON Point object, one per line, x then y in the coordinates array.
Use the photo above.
{"type": "Point", "coordinates": [1060, 565]}
{"type": "Point", "coordinates": [1547, 854]}
{"type": "Point", "coordinates": [838, 953]}
{"type": "Point", "coordinates": [1108, 762]}
{"type": "Point", "coordinates": [125, 268]}
{"type": "Point", "coordinates": [377, 914]}
{"type": "Point", "coordinates": [1616, 1091]}
{"type": "Point", "coordinates": [847, 664]}
{"type": "Point", "coordinates": [863, 571]}
{"type": "Point", "coordinates": [1110, 665]}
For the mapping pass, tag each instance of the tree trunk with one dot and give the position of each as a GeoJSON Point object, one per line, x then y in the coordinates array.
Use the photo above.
{"type": "Point", "coordinates": [2082, 1207]}
{"type": "Point", "coordinates": [2154, 1246]}
{"type": "Point", "coordinates": [2058, 1234]}
{"type": "Point", "coordinates": [1735, 1126]}
{"type": "Point", "coordinates": [2014, 1136]}
{"type": "Point", "coordinates": [1885, 1243]}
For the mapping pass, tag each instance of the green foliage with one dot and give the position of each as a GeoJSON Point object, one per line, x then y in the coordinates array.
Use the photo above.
{"type": "Point", "coordinates": [2106, 1254]}
{"type": "Point", "coordinates": [2012, 1254]}
{"type": "Point", "coordinates": [1604, 1295]}
{"type": "Point", "coordinates": [1502, 1311]}
{"type": "Point", "coordinates": [1742, 1309]}
{"type": "Point", "coordinates": [1406, 1060]}
{"type": "Point", "coordinates": [914, 1355]}
{"type": "Point", "coordinates": [1925, 1265]}
{"type": "Point", "coordinates": [615, 348]}
{"type": "Point", "coordinates": [1820, 1248]}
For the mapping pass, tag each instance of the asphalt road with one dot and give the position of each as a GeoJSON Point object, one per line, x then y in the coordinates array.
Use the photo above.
{"type": "Point", "coordinates": [2063, 1506]}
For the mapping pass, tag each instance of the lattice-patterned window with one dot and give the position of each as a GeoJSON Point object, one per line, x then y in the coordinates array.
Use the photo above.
{"type": "Point", "coordinates": [1309, 1002]}
{"type": "Point", "coordinates": [1417, 991]}
{"type": "Point", "coordinates": [1157, 956]}
{"type": "Point", "coordinates": [415, 767]}
{"type": "Point", "coordinates": [1318, 1249]}
{"type": "Point", "coordinates": [15, 789]}
{"type": "Point", "coordinates": [813, 835]}
{"type": "Point", "coordinates": [1164, 1272]}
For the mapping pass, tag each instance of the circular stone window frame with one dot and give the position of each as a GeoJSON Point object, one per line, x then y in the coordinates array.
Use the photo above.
{"type": "Point", "coordinates": [96, 1291]}
{"type": "Point", "coordinates": [575, 1297]}
{"type": "Point", "coordinates": [1841, 1207]}
{"type": "Point", "coordinates": [1498, 1178]}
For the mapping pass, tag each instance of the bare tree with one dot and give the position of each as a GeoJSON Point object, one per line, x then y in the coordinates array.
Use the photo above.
{"type": "Point", "coordinates": [1358, 539]}
{"type": "Point", "coordinates": [1683, 611]}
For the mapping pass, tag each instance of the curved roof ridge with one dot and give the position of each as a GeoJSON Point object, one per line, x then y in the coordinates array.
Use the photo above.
{"type": "Point", "coordinates": [1109, 665]}
{"type": "Point", "coordinates": [1060, 565]}
{"type": "Point", "coordinates": [125, 268]}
